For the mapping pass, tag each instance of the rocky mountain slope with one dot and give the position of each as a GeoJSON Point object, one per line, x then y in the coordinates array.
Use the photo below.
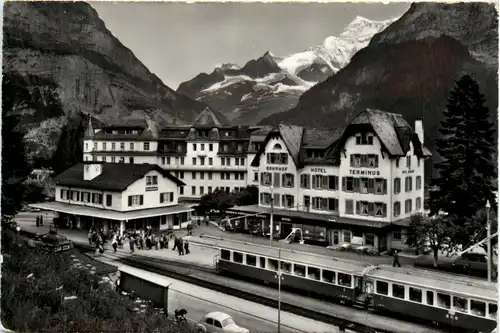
{"type": "Point", "coordinates": [409, 68]}
{"type": "Point", "coordinates": [272, 84]}
{"type": "Point", "coordinates": [64, 50]}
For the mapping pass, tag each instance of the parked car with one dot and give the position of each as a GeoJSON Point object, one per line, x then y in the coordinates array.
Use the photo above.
{"type": "Point", "coordinates": [472, 263]}
{"type": "Point", "coordinates": [218, 322]}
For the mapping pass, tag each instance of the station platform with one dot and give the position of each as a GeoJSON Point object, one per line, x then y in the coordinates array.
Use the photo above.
{"type": "Point", "coordinates": [202, 255]}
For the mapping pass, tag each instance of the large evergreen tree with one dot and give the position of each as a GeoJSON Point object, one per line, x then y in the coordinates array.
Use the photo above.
{"type": "Point", "coordinates": [467, 168]}
{"type": "Point", "coordinates": [69, 150]}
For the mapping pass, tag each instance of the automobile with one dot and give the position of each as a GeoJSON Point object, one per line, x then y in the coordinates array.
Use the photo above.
{"type": "Point", "coordinates": [471, 263]}
{"type": "Point", "coordinates": [218, 322]}
{"type": "Point", "coordinates": [51, 242]}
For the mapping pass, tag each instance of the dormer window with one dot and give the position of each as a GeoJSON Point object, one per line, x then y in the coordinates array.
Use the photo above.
{"type": "Point", "coordinates": [277, 146]}
{"type": "Point", "coordinates": [135, 132]}
{"type": "Point", "coordinates": [115, 132]}
{"type": "Point", "coordinates": [364, 139]}
{"type": "Point", "coordinates": [227, 134]}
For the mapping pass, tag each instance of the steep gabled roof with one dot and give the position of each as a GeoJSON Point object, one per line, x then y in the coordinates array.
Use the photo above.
{"type": "Point", "coordinates": [320, 138]}
{"type": "Point", "coordinates": [207, 119]}
{"type": "Point", "coordinates": [292, 137]}
{"type": "Point", "coordinates": [114, 176]}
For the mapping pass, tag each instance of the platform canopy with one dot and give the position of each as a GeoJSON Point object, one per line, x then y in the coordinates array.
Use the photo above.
{"type": "Point", "coordinates": [81, 210]}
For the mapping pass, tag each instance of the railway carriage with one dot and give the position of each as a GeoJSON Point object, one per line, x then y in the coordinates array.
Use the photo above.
{"type": "Point", "coordinates": [319, 275]}
{"type": "Point", "coordinates": [452, 301]}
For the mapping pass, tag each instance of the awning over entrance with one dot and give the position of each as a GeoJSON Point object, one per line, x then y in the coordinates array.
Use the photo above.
{"type": "Point", "coordinates": [62, 207]}
{"type": "Point", "coordinates": [331, 219]}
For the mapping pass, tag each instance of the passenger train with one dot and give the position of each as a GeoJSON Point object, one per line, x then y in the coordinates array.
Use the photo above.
{"type": "Point", "coordinates": [459, 303]}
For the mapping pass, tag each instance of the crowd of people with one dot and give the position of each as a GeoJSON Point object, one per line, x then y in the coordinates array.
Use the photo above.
{"type": "Point", "coordinates": [139, 239]}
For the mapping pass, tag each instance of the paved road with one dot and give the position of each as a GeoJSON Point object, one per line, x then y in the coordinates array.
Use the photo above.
{"type": "Point", "coordinates": [257, 318]}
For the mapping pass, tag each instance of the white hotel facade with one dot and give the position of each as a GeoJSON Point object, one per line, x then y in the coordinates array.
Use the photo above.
{"type": "Point", "coordinates": [365, 180]}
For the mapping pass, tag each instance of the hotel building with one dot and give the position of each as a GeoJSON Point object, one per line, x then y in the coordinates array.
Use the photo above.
{"type": "Point", "coordinates": [205, 156]}
{"type": "Point", "coordinates": [362, 181]}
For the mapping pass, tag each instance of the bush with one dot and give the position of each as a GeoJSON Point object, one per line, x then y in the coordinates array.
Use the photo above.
{"type": "Point", "coordinates": [34, 285]}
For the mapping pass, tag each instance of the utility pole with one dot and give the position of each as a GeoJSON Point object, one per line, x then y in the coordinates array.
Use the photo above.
{"type": "Point", "coordinates": [488, 229]}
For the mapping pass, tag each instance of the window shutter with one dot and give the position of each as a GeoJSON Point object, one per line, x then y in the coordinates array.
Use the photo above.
{"type": "Point", "coordinates": [371, 185]}
{"type": "Point", "coordinates": [282, 178]}
{"type": "Point", "coordinates": [261, 197]}
{"type": "Point", "coordinates": [356, 184]}
{"type": "Point", "coordinates": [171, 196]}
{"type": "Point", "coordinates": [129, 200]}
{"type": "Point", "coordinates": [161, 197]}
{"type": "Point", "coordinates": [371, 208]}
{"type": "Point", "coordinates": [324, 181]}
{"type": "Point", "coordinates": [261, 178]}
{"type": "Point", "coordinates": [77, 195]}
{"type": "Point", "coordinates": [141, 198]}
{"type": "Point", "coordinates": [277, 180]}
{"type": "Point", "coordinates": [283, 200]}
{"type": "Point", "coordinates": [336, 181]}
{"type": "Point", "coordinates": [384, 186]}
{"type": "Point", "coordinates": [268, 158]}
{"type": "Point", "coordinates": [384, 210]}
{"type": "Point", "coordinates": [343, 183]}
{"type": "Point", "coordinates": [324, 203]}
{"type": "Point", "coordinates": [352, 160]}
{"type": "Point", "coordinates": [357, 207]}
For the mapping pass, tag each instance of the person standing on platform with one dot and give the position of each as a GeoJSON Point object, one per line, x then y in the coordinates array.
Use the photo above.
{"type": "Point", "coordinates": [117, 284]}
{"type": "Point", "coordinates": [186, 247]}
{"type": "Point", "coordinates": [180, 247]}
{"type": "Point", "coordinates": [396, 259]}
{"type": "Point", "coordinates": [190, 229]}
{"type": "Point", "coordinates": [114, 242]}
{"type": "Point", "coordinates": [176, 244]}
{"type": "Point", "coordinates": [131, 241]}
{"type": "Point", "coordinates": [38, 220]}
{"type": "Point", "coordinates": [41, 220]}
{"type": "Point", "coordinates": [157, 242]}
{"type": "Point", "coordinates": [165, 240]}
{"type": "Point", "coordinates": [141, 242]}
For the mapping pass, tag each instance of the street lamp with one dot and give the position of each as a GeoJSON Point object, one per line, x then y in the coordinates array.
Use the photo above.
{"type": "Point", "coordinates": [279, 275]}
{"type": "Point", "coordinates": [488, 229]}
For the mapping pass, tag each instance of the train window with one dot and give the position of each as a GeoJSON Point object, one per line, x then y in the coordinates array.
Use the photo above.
{"type": "Point", "coordinates": [460, 304]}
{"type": "Point", "coordinates": [272, 264]}
{"type": "Point", "coordinates": [382, 288]}
{"type": "Point", "coordinates": [398, 290]}
{"type": "Point", "coordinates": [225, 254]}
{"type": "Point", "coordinates": [443, 301]}
{"type": "Point", "coordinates": [328, 276]}
{"type": "Point", "coordinates": [344, 280]}
{"type": "Point", "coordinates": [430, 297]}
{"type": "Point", "coordinates": [262, 262]}
{"type": "Point", "coordinates": [313, 273]}
{"type": "Point", "coordinates": [286, 267]}
{"type": "Point", "coordinates": [251, 260]}
{"type": "Point", "coordinates": [477, 308]}
{"type": "Point", "coordinates": [492, 310]}
{"type": "Point", "coordinates": [237, 257]}
{"type": "Point", "coordinates": [299, 270]}
{"type": "Point", "coordinates": [415, 295]}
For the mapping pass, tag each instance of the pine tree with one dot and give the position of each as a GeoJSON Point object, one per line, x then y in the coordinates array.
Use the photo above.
{"type": "Point", "coordinates": [467, 169]}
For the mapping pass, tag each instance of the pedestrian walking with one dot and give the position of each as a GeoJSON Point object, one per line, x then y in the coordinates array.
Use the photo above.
{"type": "Point", "coordinates": [180, 247]}
{"type": "Point", "coordinates": [90, 236]}
{"type": "Point", "coordinates": [131, 241]}
{"type": "Point", "coordinates": [114, 242]}
{"type": "Point", "coordinates": [190, 229]}
{"type": "Point", "coordinates": [176, 244]}
{"type": "Point", "coordinates": [141, 242]}
{"type": "Point", "coordinates": [186, 247]}
{"type": "Point", "coordinates": [396, 259]}
{"type": "Point", "coordinates": [38, 220]}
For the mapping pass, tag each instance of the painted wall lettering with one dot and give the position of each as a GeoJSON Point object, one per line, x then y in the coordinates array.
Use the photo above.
{"type": "Point", "coordinates": [408, 171]}
{"type": "Point", "coordinates": [276, 168]}
{"type": "Point", "coordinates": [318, 170]}
{"type": "Point", "coordinates": [365, 172]}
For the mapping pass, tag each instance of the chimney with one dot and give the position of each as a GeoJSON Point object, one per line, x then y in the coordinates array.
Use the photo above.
{"type": "Point", "coordinates": [91, 171]}
{"type": "Point", "coordinates": [419, 129]}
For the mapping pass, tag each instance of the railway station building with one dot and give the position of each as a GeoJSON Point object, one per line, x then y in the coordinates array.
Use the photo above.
{"type": "Point", "coordinates": [364, 180]}
{"type": "Point", "coordinates": [114, 195]}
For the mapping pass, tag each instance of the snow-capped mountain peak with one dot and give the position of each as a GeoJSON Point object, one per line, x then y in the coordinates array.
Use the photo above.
{"type": "Point", "coordinates": [335, 51]}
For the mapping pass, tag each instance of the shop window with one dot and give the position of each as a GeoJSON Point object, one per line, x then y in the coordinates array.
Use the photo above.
{"type": "Point", "coordinates": [477, 308]}
{"type": "Point", "coordinates": [347, 236]}
{"type": "Point", "coordinates": [328, 276]}
{"type": "Point", "coordinates": [370, 239]}
{"type": "Point", "coordinates": [262, 262]}
{"type": "Point", "coordinates": [382, 288]}
{"type": "Point", "coordinates": [430, 297]}
{"type": "Point", "coordinates": [460, 304]}
{"type": "Point", "coordinates": [299, 270]}
{"type": "Point", "coordinates": [225, 254]}
{"type": "Point", "coordinates": [443, 301]}
{"type": "Point", "coordinates": [492, 310]}
{"type": "Point", "coordinates": [313, 273]}
{"type": "Point", "coordinates": [238, 257]}
{"type": "Point", "coordinates": [344, 280]}
{"type": "Point", "coordinates": [251, 260]}
{"type": "Point", "coordinates": [398, 291]}
{"type": "Point", "coordinates": [286, 267]}
{"type": "Point", "coordinates": [272, 264]}
{"type": "Point", "coordinates": [415, 295]}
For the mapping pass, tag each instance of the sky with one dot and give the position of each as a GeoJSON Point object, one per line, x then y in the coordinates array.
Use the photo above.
{"type": "Point", "coordinates": [178, 41]}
